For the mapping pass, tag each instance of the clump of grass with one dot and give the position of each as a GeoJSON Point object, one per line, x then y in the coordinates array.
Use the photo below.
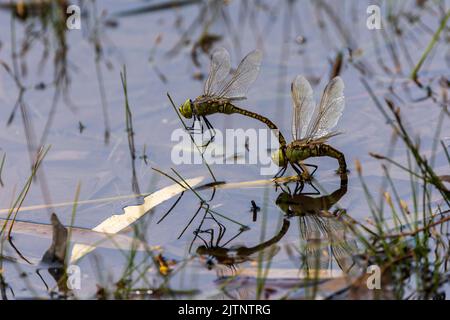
{"type": "Point", "coordinates": [14, 210]}
{"type": "Point", "coordinates": [412, 253]}
{"type": "Point", "coordinates": [12, 215]}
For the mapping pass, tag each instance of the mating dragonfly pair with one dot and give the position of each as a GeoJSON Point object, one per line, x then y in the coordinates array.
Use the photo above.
{"type": "Point", "coordinates": [311, 125]}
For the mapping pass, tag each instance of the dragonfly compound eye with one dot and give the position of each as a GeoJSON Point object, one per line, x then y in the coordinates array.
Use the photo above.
{"type": "Point", "coordinates": [201, 250]}
{"type": "Point", "coordinates": [186, 109]}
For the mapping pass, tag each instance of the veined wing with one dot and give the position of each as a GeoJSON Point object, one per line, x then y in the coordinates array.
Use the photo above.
{"type": "Point", "coordinates": [342, 247]}
{"type": "Point", "coordinates": [343, 252]}
{"type": "Point", "coordinates": [303, 103]}
{"type": "Point", "coordinates": [312, 230]}
{"type": "Point", "coordinates": [243, 77]}
{"type": "Point", "coordinates": [312, 227]}
{"type": "Point", "coordinates": [219, 70]}
{"type": "Point", "coordinates": [328, 112]}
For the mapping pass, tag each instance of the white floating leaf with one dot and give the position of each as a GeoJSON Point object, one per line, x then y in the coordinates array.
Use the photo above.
{"type": "Point", "coordinates": [116, 223]}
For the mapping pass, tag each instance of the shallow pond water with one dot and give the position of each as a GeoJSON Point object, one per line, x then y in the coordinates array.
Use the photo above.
{"type": "Point", "coordinates": [145, 43]}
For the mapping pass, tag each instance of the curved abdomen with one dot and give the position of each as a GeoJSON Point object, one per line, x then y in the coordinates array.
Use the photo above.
{"type": "Point", "coordinates": [233, 109]}
{"type": "Point", "coordinates": [205, 109]}
{"type": "Point", "coordinates": [297, 154]}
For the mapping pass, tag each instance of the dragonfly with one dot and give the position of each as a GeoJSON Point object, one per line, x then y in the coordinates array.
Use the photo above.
{"type": "Point", "coordinates": [220, 254]}
{"type": "Point", "coordinates": [312, 126]}
{"type": "Point", "coordinates": [221, 91]}
{"type": "Point", "coordinates": [324, 233]}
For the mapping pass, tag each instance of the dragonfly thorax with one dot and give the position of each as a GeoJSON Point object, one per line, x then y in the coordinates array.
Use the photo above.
{"type": "Point", "coordinates": [204, 106]}
{"type": "Point", "coordinates": [291, 153]}
{"type": "Point", "coordinates": [295, 153]}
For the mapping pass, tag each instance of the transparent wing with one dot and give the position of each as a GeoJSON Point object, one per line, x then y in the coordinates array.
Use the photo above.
{"type": "Point", "coordinates": [303, 103]}
{"type": "Point", "coordinates": [329, 111]}
{"type": "Point", "coordinates": [311, 227]}
{"type": "Point", "coordinates": [242, 79]}
{"type": "Point", "coordinates": [316, 243]}
{"type": "Point", "coordinates": [343, 253]}
{"type": "Point", "coordinates": [219, 70]}
{"type": "Point", "coordinates": [317, 257]}
{"type": "Point", "coordinates": [342, 249]}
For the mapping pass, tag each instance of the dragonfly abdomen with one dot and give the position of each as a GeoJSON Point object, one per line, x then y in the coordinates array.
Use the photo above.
{"type": "Point", "coordinates": [212, 106]}
{"type": "Point", "coordinates": [300, 153]}
{"type": "Point", "coordinates": [233, 109]}
{"type": "Point", "coordinates": [326, 150]}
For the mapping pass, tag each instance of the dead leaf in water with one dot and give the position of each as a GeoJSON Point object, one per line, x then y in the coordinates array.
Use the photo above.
{"type": "Point", "coordinates": [57, 251]}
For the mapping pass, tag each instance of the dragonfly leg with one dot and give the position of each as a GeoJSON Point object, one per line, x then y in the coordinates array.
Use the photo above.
{"type": "Point", "coordinates": [192, 219]}
{"type": "Point", "coordinates": [192, 128]}
{"type": "Point", "coordinates": [299, 187]}
{"type": "Point", "coordinates": [301, 171]}
{"type": "Point", "coordinates": [312, 166]}
{"type": "Point", "coordinates": [287, 187]}
{"type": "Point", "coordinates": [317, 191]}
{"type": "Point", "coordinates": [204, 146]}
{"type": "Point", "coordinates": [210, 128]}
{"type": "Point", "coordinates": [197, 231]}
{"type": "Point", "coordinates": [212, 195]}
{"type": "Point", "coordinates": [204, 122]}
{"type": "Point", "coordinates": [280, 173]}
{"type": "Point", "coordinates": [171, 208]}
{"type": "Point", "coordinates": [297, 170]}
{"type": "Point", "coordinates": [222, 230]}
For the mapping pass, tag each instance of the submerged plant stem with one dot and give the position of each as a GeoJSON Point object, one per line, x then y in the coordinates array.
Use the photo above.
{"type": "Point", "coordinates": [430, 46]}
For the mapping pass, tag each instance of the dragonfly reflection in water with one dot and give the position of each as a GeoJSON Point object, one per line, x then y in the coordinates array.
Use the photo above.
{"type": "Point", "coordinates": [221, 92]}
{"type": "Point", "coordinates": [323, 233]}
{"type": "Point", "coordinates": [217, 253]}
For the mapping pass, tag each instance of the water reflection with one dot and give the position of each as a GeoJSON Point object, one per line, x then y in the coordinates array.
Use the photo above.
{"type": "Point", "coordinates": [53, 77]}
{"type": "Point", "coordinates": [218, 254]}
{"type": "Point", "coordinates": [323, 232]}
{"type": "Point", "coordinates": [324, 243]}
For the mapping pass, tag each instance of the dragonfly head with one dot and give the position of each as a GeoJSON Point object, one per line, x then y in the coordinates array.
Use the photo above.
{"type": "Point", "coordinates": [279, 158]}
{"type": "Point", "coordinates": [186, 109]}
{"type": "Point", "coordinates": [283, 201]}
{"type": "Point", "coordinates": [202, 250]}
